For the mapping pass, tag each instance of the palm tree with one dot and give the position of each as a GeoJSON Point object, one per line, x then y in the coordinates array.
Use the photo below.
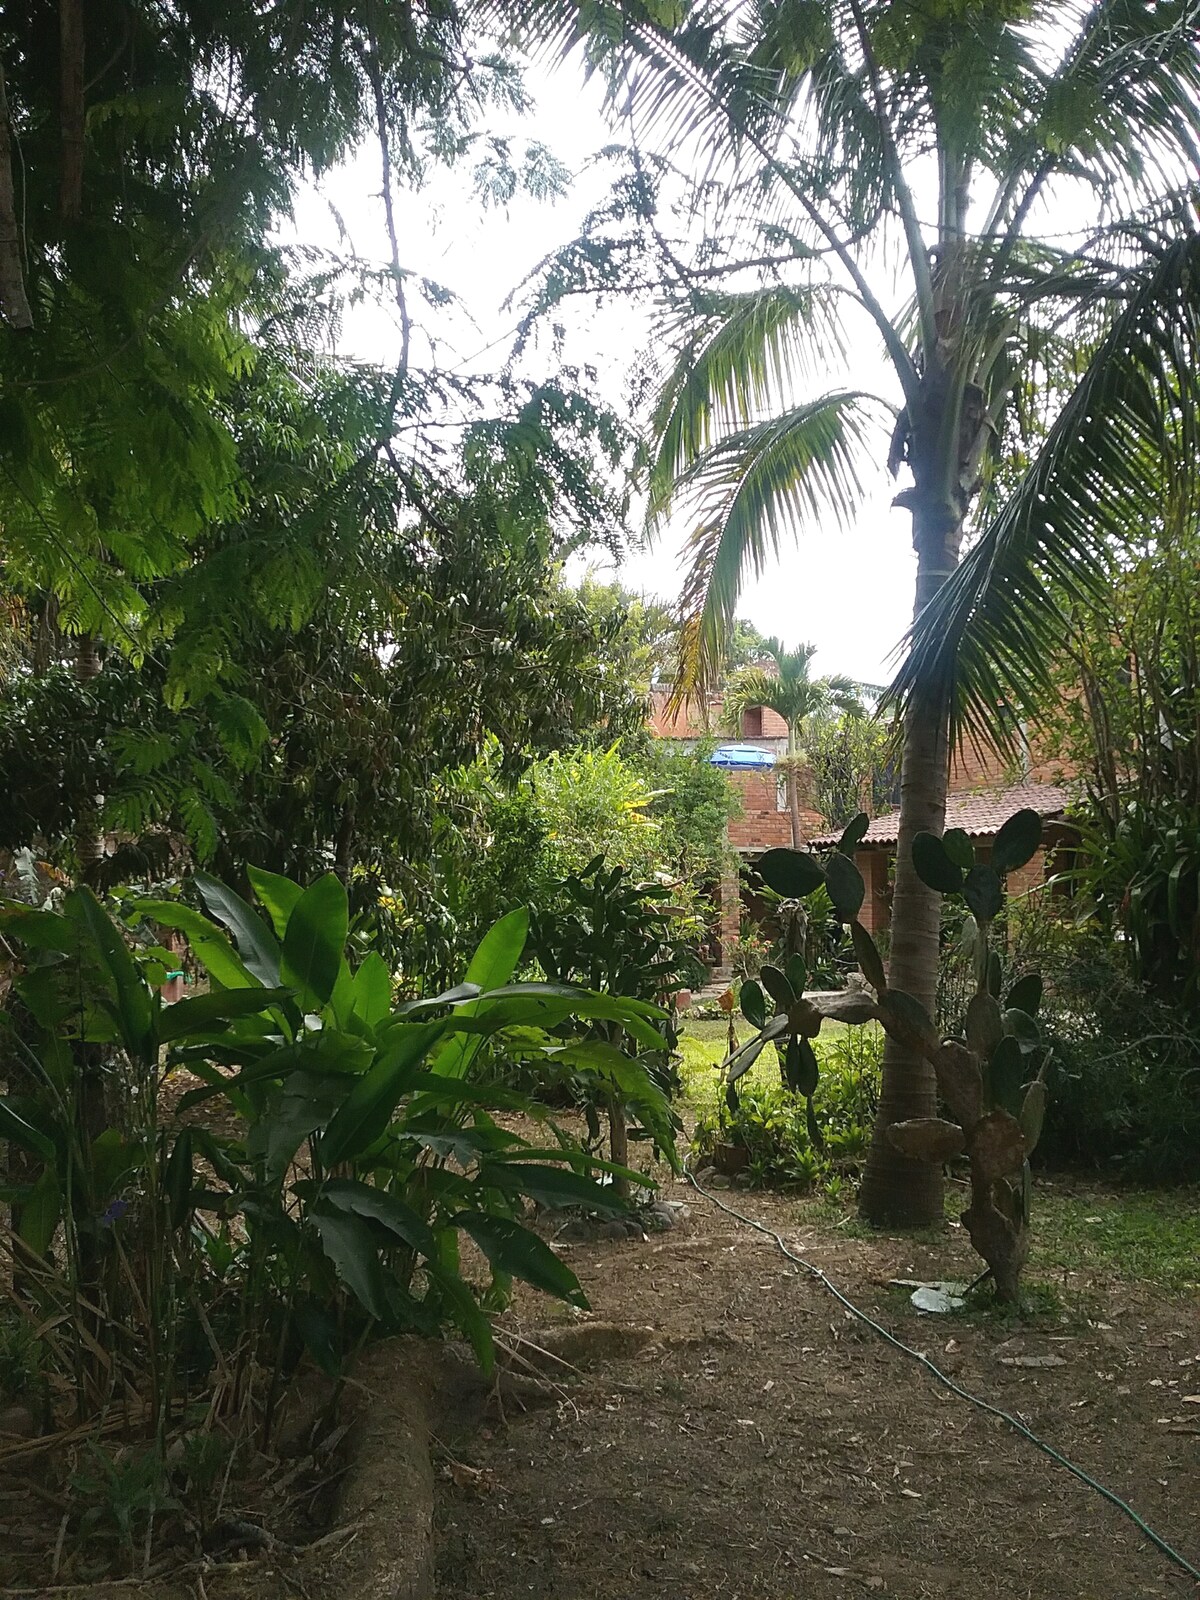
{"type": "Point", "coordinates": [837, 144]}
{"type": "Point", "coordinates": [788, 691]}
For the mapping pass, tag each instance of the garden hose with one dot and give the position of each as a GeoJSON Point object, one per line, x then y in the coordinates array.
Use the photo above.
{"type": "Point", "coordinates": [956, 1388]}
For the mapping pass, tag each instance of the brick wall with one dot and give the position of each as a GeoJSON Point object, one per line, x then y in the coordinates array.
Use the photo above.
{"type": "Point", "coordinates": [975, 767]}
{"type": "Point", "coordinates": [703, 721]}
{"type": "Point", "coordinates": [876, 907]}
{"type": "Point", "coordinates": [762, 824]}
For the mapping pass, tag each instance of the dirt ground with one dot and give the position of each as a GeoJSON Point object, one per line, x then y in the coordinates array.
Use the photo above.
{"type": "Point", "coordinates": [745, 1436]}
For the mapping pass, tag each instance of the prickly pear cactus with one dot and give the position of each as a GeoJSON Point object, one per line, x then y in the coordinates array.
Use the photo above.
{"type": "Point", "coordinates": [991, 1077]}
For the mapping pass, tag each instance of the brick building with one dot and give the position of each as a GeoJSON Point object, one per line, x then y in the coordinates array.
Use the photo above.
{"type": "Point", "coordinates": [985, 790]}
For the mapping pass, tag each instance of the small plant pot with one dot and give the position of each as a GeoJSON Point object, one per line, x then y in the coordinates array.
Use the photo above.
{"type": "Point", "coordinates": [683, 999]}
{"type": "Point", "coordinates": [730, 1158]}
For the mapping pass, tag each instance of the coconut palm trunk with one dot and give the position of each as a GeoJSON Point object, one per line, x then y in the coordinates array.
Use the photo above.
{"type": "Point", "coordinates": [938, 138]}
{"type": "Point", "coordinates": [894, 1188]}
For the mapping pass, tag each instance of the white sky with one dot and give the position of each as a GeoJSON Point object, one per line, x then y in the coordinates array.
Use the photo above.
{"type": "Point", "coordinates": [848, 592]}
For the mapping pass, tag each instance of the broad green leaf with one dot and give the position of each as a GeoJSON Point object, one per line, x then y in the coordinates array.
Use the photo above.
{"type": "Point", "coordinates": [378, 1205]}
{"type": "Point", "coordinates": [489, 1015]}
{"type": "Point", "coordinates": [493, 964]}
{"type": "Point", "coordinates": [41, 1212]}
{"type": "Point", "coordinates": [318, 1327]}
{"type": "Point", "coordinates": [337, 1054]}
{"type": "Point", "coordinates": [984, 893]}
{"type": "Point", "coordinates": [436, 1002]}
{"type": "Point", "coordinates": [495, 960]}
{"type": "Point", "coordinates": [369, 1106]}
{"type": "Point", "coordinates": [39, 930]}
{"type": "Point", "coordinates": [134, 1008]}
{"type": "Point", "coordinates": [845, 884]}
{"type": "Point", "coordinates": [553, 1186]}
{"type": "Point", "coordinates": [203, 1011]}
{"type": "Point", "coordinates": [256, 943]}
{"type": "Point", "coordinates": [372, 990]}
{"type": "Point", "coordinates": [466, 1312]}
{"type": "Point", "coordinates": [177, 1179]}
{"type": "Point", "coordinates": [933, 864]}
{"type": "Point", "coordinates": [315, 942]}
{"type": "Point", "coordinates": [13, 1127]}
{"type": "Point", "coordinates": [791, 873]}
{"type": "Point", "coordinates": [209, 945]}
{"type": "Point", "coordinates": [304, 1103]}
{"type": "Point", "coordinates": [574, 992]}
{"type": "Point", "coordinates": [350, 1245]}
{"type": "Point", "coordinates": [513, 1249]}
{"type": "Point", "coordinates": [277, 895]}
{"type": "Point", "coordinates": [634, 1085]}
{"type": "Point", "coordinates": [1017, 841]}
{"type": "Point", "coordinates": [113, 1157]}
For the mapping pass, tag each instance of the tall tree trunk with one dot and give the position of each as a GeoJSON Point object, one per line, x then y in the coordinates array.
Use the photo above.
{"type": "Point", "coordinates": [344, 848]}
{"type": "Point", "coordinates": [89, 843]}
{"type": "Point", "coordinates": [793, 789]}
{"type": "Point", "coordinates": [897, 1191]}
{"type": "Point", "coordinates": [14, 302]}
{"type": "Point", "coordinates": [72, 109]}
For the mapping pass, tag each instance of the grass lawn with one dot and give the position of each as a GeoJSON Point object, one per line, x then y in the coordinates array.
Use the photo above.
{"type": "Point", "coordinates": [1150, 1235]}
{"type": "Point", "coordinates": [1079, 1226]}
{"type": "Point", "coordinates": [703, 1046]}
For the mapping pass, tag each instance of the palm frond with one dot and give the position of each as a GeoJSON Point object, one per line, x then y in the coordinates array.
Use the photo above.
{"type": "Point", "coordinates": [749, 688]}
{"type": "Point", "coordinates": [751, 489]}
{"type": "Point", "coordinates": [1119, 106]}
{"type": "Point", "coordinates": [1120, 463]}
{"type": "Point", "coordinates": [685, 72]}
{"type": "Point", "coordinates": [739, 357]}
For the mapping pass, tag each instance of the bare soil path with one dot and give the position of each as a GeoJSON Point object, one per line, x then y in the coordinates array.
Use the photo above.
{"type": "Point", "coordinates": [745, 1437]}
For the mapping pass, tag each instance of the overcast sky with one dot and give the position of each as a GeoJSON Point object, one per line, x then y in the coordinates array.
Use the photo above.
{"type": "Point", "coordinates": [848, 592]}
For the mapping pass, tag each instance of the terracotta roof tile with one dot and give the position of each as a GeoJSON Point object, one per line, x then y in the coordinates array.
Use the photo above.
{"type": "Point", "coordinates": [979, 811]}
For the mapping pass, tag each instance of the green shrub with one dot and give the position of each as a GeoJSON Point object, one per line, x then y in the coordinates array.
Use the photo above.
{"type": "Point", "coordinates": [771, 1122]}
{"type": "Point", "coordinates": [313, 1189]}
{"type": "Point", "coordinates": [1124, 1066]}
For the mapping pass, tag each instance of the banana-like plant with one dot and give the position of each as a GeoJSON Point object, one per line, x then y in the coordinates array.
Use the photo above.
{"type": "Point", "coordinates": [352, 1149]}
{"type": "Point", "coordinates": [991, 1077]}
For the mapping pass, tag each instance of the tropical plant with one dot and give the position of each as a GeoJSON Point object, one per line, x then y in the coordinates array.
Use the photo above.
{"type": "Point", "coordinates": [992, 1076]}
{"type": "Point", "coordinates": [787, 689]}
{"type": "Point", "coordinates": [844, 132]}
{"type": "Point", "coordinates": [1126, 720]}
{"type": "Point", "coordinates": [353, 1145]}
{"type": "Point", "coordinates": [615, 935]}
{"type": "Point", "coordinates": [852, 760]}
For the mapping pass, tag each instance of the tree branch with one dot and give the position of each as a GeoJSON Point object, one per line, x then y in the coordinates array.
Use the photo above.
{"type": "Point", "coordinates": [370, 63]}
{"type": "Point", "coordinates": [905, 370]}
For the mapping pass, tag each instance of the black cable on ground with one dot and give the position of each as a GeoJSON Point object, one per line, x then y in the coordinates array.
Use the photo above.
{"type": "Point", "coordinates": [956, 1388]}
